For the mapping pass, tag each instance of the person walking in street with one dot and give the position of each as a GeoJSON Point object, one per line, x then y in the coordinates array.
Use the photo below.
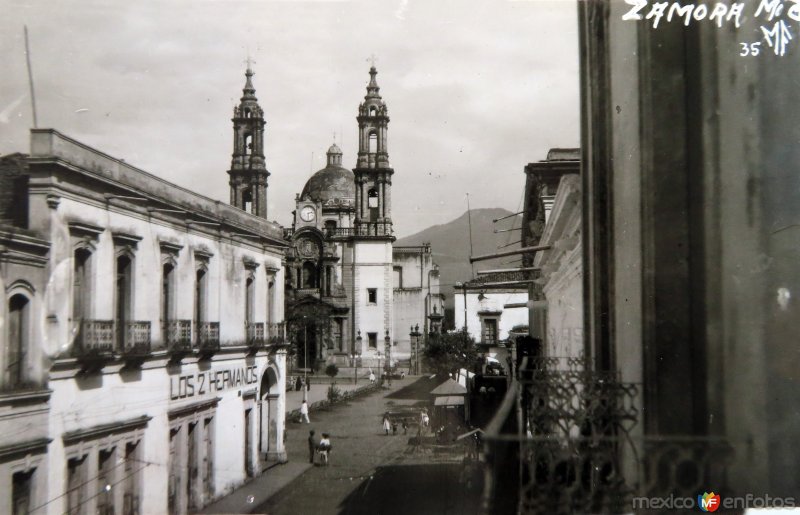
{"type": "Point", "coordinates": [304, 412]}
{"type": "Point", "coordinates": [371, 377]}
{"type": "Point", "coordinates": [324, 449]}
{"type": "Point", "coordinates": [386, 424]}
{"type": "Point", "coordinates": [312, 446]}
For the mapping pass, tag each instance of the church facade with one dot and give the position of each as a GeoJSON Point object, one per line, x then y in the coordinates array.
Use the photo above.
{"type": "Point", "coordinates": [346, 299]}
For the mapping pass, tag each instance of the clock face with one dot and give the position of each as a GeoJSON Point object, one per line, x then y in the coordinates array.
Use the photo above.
{"type": "Point", "coordinates": [307, 214]}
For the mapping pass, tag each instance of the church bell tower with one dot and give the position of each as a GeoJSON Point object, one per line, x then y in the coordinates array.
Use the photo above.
{"type": "Point", "coordinates": [248, 173]}
{"type": "Point", "coordinates": [373, 175]}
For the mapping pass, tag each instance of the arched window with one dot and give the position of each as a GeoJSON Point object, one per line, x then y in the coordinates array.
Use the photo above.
{"type": "Point", "coordinates": [247, 200]}
{"type": "Point", "coordinates": [373, 142]}
{"type": "Point", "coordinates": [18, 335]}
{"type": "Point", "coordinates": [330, 226]}
{"type": "Point", "coordinates": [373, 110]}
{"type": "Point", "coordinates": [372, 203]}
{"type": "Point", "coordinates": [309, 275]}
{"type": "Point", "coordinates": [248, 144]}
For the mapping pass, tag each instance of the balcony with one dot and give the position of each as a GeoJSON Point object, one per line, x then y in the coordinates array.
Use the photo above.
{"type": "Point", "coordinates": [373, 229]}
{"type": "Point", "coordinates": [276, 333]}
{"type": "Point", "coordinates": [255, 336]}
{"type": "Point", "coordinates": [94, 344]}
{"type": "Point", "coordinates": [574, 449]}
{"type": "Point", "coordinates": [206, 338]}
{"type": "Point", "coordinates": [136, 341]}
{"type": "Point", "coordinates": [177, 336]}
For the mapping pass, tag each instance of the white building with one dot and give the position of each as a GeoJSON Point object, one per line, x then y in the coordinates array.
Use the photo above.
{"type": "Point", "coordinates": [149, 332]}
{"type": "Point", "coordinates": [350, 294]}
{"type": "Point", "coordinates": [491, 311]}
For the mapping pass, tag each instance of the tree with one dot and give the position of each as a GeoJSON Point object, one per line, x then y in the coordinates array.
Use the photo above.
{"type": "Point", "coordinates": [448, 352]}
{"type": "Point", "coordinates": [332, 371]}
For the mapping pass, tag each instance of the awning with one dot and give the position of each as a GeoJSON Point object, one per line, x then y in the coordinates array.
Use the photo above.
{"type": "Point", "coordinates": [449, 400]}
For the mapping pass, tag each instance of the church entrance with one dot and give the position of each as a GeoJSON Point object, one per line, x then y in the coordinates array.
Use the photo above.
{"type": "Point", "coordinates": [308, 350]}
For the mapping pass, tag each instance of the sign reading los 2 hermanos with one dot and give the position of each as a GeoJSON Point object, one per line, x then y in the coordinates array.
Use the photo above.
{"type": "Point", "coordinates": [210, 381]}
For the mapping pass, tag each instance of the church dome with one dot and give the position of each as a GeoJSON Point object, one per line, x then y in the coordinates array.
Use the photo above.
{"type": "Point", "coordinates": [333, 184]}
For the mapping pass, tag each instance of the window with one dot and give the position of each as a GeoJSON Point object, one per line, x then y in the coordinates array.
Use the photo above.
{"type": "Point", "coordinates": [200, 296]}
{"type": "Point", "coordinates": [373, 142]}
{"type": "Point", "coordinates": [489, 330]}
{"type": "Point", "coordinates": [372, 204]}
{"type": "Point", "coordinates": [248, 144]}
{"type": "Point", "coordinates": [21, 490]}
{"type": "Point", "coordinates": [130, 483]}
{"type": "Point", "coordinates": [247, 200]}
{"type": "Point", "coordinates": [167, 276]}
{"type": "Point", "coordinates": [309, 275]}
{"type": "Point", "coordinates": [18, 329]}
{"type": "Point", "coordinates": [123, 291]}
{"type": "Point", "coordinates": [337, 334]}
{"type": "Point", "coordinates": [81, 286]}
{"type": "Point", "coordinates": [76, 485]}
{"type": "Point", "coordinates": [372, 338]}
{"type": "Point", "coordinates": [372, 295]}
{"type": "Point", "coordinates": [398, 276]}
{"type": "Point", "coordinates": [270, 296]}
{"type": "Point", "coordinates": [330, 226]}
{"type": "Point", "coordinates": [105, 480]}
{"type": "Point", "coordinates": [249, 290]}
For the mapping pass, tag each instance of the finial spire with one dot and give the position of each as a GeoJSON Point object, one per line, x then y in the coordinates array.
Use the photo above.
{"type": "Point", "coordinates": [249, 90]}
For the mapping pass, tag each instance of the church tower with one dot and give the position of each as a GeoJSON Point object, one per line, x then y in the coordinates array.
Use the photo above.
{"type": "Point", "coordinates": [368, 265]}
{"type": "Point", "coordinates": [248, 173]}
{"type": "Point", "coordinates": [373, 175]}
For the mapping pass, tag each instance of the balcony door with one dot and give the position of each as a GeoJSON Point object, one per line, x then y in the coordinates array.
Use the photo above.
{"type": "Point", "coordinates": [122, 314]}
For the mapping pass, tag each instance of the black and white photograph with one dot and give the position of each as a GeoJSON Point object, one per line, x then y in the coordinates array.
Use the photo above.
{"type": "Point", "coordinates": [392, 257]}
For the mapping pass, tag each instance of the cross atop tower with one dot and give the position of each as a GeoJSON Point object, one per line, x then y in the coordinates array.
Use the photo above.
{"type": "Point", "coordinates": [371, 59]}
{"type": "Point", "coordinates": [249, 61]}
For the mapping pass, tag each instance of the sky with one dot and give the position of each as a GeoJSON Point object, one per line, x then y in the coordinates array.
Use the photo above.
{"type": "Point", "coordinates": [475, 89]}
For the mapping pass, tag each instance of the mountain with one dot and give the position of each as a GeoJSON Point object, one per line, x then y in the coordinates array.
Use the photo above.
{"type": "Point", "coordinates": [451, 246]}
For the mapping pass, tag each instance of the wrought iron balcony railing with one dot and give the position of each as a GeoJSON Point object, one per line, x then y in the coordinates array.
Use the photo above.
{"type": "Point", "coordinates": [255, 334]}
{"type": "Point", "coordinates": [576, 452]}
{"type": "Point", "coordinates": [95, 337]}
{"type": "Point", "coordinates": [207, 337]}
{"type": "Point", "coordinates": [178, 335]}
{"type": "Point", "coordinates": [276, 333]}
{"type": "Point", "coordinates": [136, 339]}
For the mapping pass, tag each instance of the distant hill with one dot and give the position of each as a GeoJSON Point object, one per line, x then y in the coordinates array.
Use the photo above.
{"type": "Point", "coordinates": [450, 245]}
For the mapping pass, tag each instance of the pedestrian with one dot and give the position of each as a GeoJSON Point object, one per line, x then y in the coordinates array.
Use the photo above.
{"type": "Point", "coordinates": [304, 412]}
{"type": "Point", "coordinates": [405, 427]}
{"type": "Point", "coordinates": [298, 383]}
{"type": "Point", "coordinates": [324, 448]}
{"type": "Point", "coordinates": [372, 377]}
{"type": "Point", "coordinates": [386, 424]}
{"type": "Point", "coordinates": [394, 428]}
{"type": "Point", "coordinates": [312, 446]}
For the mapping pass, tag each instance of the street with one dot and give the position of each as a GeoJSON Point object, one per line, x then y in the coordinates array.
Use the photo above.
{"type": "Point", "coordinates": [370, 472]}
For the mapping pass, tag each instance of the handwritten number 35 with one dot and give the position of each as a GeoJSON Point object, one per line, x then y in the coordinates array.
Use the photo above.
{"type": "Point", "coordinates": [750, 49]}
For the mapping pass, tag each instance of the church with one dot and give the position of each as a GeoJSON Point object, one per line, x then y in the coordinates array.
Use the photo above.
{"type": "Point", "coordinates": [352, 297]}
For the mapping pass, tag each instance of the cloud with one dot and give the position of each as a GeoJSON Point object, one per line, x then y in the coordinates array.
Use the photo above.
{"type": "Point", "coordinates": [476, 89]}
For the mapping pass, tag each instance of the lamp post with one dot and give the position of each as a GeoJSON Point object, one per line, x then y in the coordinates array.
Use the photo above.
{"type": "Point", "coordinates": [305, 359]}
{"type": "Point", "coordinates": [356, 354]}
